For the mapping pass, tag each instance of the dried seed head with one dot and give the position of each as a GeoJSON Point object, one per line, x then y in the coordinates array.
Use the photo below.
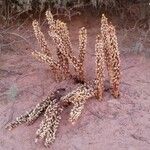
{"type": "Point", "coordinates": [82, 43]}
{"type": "Point", "coordinates": [62, 30]}
{"type": "Point", "coordinates": [50, 20]}
{"type": "Point", "coordinates": [115, 62]}
{"type": "Point", "coordinates": [82, 51]}
{"type": "Point", "coordinates": [104, 24]}
{"type": "Point", "coordinates": [41, 39]}
{"type": "Point", "coordinates": [76, 111]}
{"type": "Point", "coordinates": [19, 120]}
{"type": "Point", "coordinates": [99, 67]}
{"type": "Point", "coordinates": [105, 35]}
{"type": "Point", "coordinates": [111, 52]}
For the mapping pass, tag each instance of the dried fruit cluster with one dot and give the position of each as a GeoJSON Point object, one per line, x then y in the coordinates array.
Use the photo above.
{"type": "Point", "coordinates": [106, 51]}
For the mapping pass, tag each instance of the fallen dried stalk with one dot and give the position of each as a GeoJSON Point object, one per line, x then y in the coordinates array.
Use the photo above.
{"type": "Point", "coordinates": [49, 125]}
{"type": "Point", "coordinates": [31, 116]}
{"type": "Point", "coordinates": [52, 107]}
{"type": "Point", "coordinates": [78, 98]}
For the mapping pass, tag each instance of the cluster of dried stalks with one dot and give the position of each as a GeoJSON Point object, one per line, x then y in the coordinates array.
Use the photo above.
{"type": "Point", "coordinates": [107, 54]}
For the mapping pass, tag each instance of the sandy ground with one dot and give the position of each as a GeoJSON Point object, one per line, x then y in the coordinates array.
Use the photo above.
{"type": "Point", "coordinates": [116, 124]}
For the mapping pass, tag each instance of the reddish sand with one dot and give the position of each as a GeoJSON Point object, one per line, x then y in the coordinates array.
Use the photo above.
{"type": "Point", "coordinates": [110, 124]}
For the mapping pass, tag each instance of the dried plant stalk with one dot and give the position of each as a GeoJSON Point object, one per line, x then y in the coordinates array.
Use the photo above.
{"type": "Point", "coordinates": [64, 63]}
{"type": "Point", "coordinates": [41, 39]}
{"type": "Point", "coordinates": [82, 51]}
{"type": "Point", "coordinates": [62, 31]}
{"type": "Point", "coordinates": [33, 114]}
{"type": "Point", "coordinates": [50, 123]}
{"type": "Point", "coordinates": [40, 107]}
{"type": "Point", "coordinates": [82, 92]}
{"type": "Point", "coordinates": [106, 48]}
{"type": "Point", "coordinates": [78, 98]}
{"type": "Point", "coordinates": [53, 107]}
{"type": "Point", "coordinates": [60, 35]}
{"type": "Point", "coordinates": [99, 67]}
{"type": "Point", "coordinates": [115, 63]}
{"type": "Point", "coordinates": [46, 52]}
{"type": "Point", "coordinates": [76, 111]}
{"type": "Point", "coordinates": [59, 28]}
{"type": "Point", "coordinates": [55, 66]}
{"type": "Point", "coordinates": [50, 20]}
{"type": "Point", "coordinates": [19, 120]}
{"type": "Point", "coordinates": [82, 43]}
{"type": "Point", "coordinates": [111, 52]}
{"type": "Point", "coordinates": [78, 67]}
{"type": "Point", "coordinates": [75, 62]}
{"type": "Point", "coordinates": [105, 37]}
